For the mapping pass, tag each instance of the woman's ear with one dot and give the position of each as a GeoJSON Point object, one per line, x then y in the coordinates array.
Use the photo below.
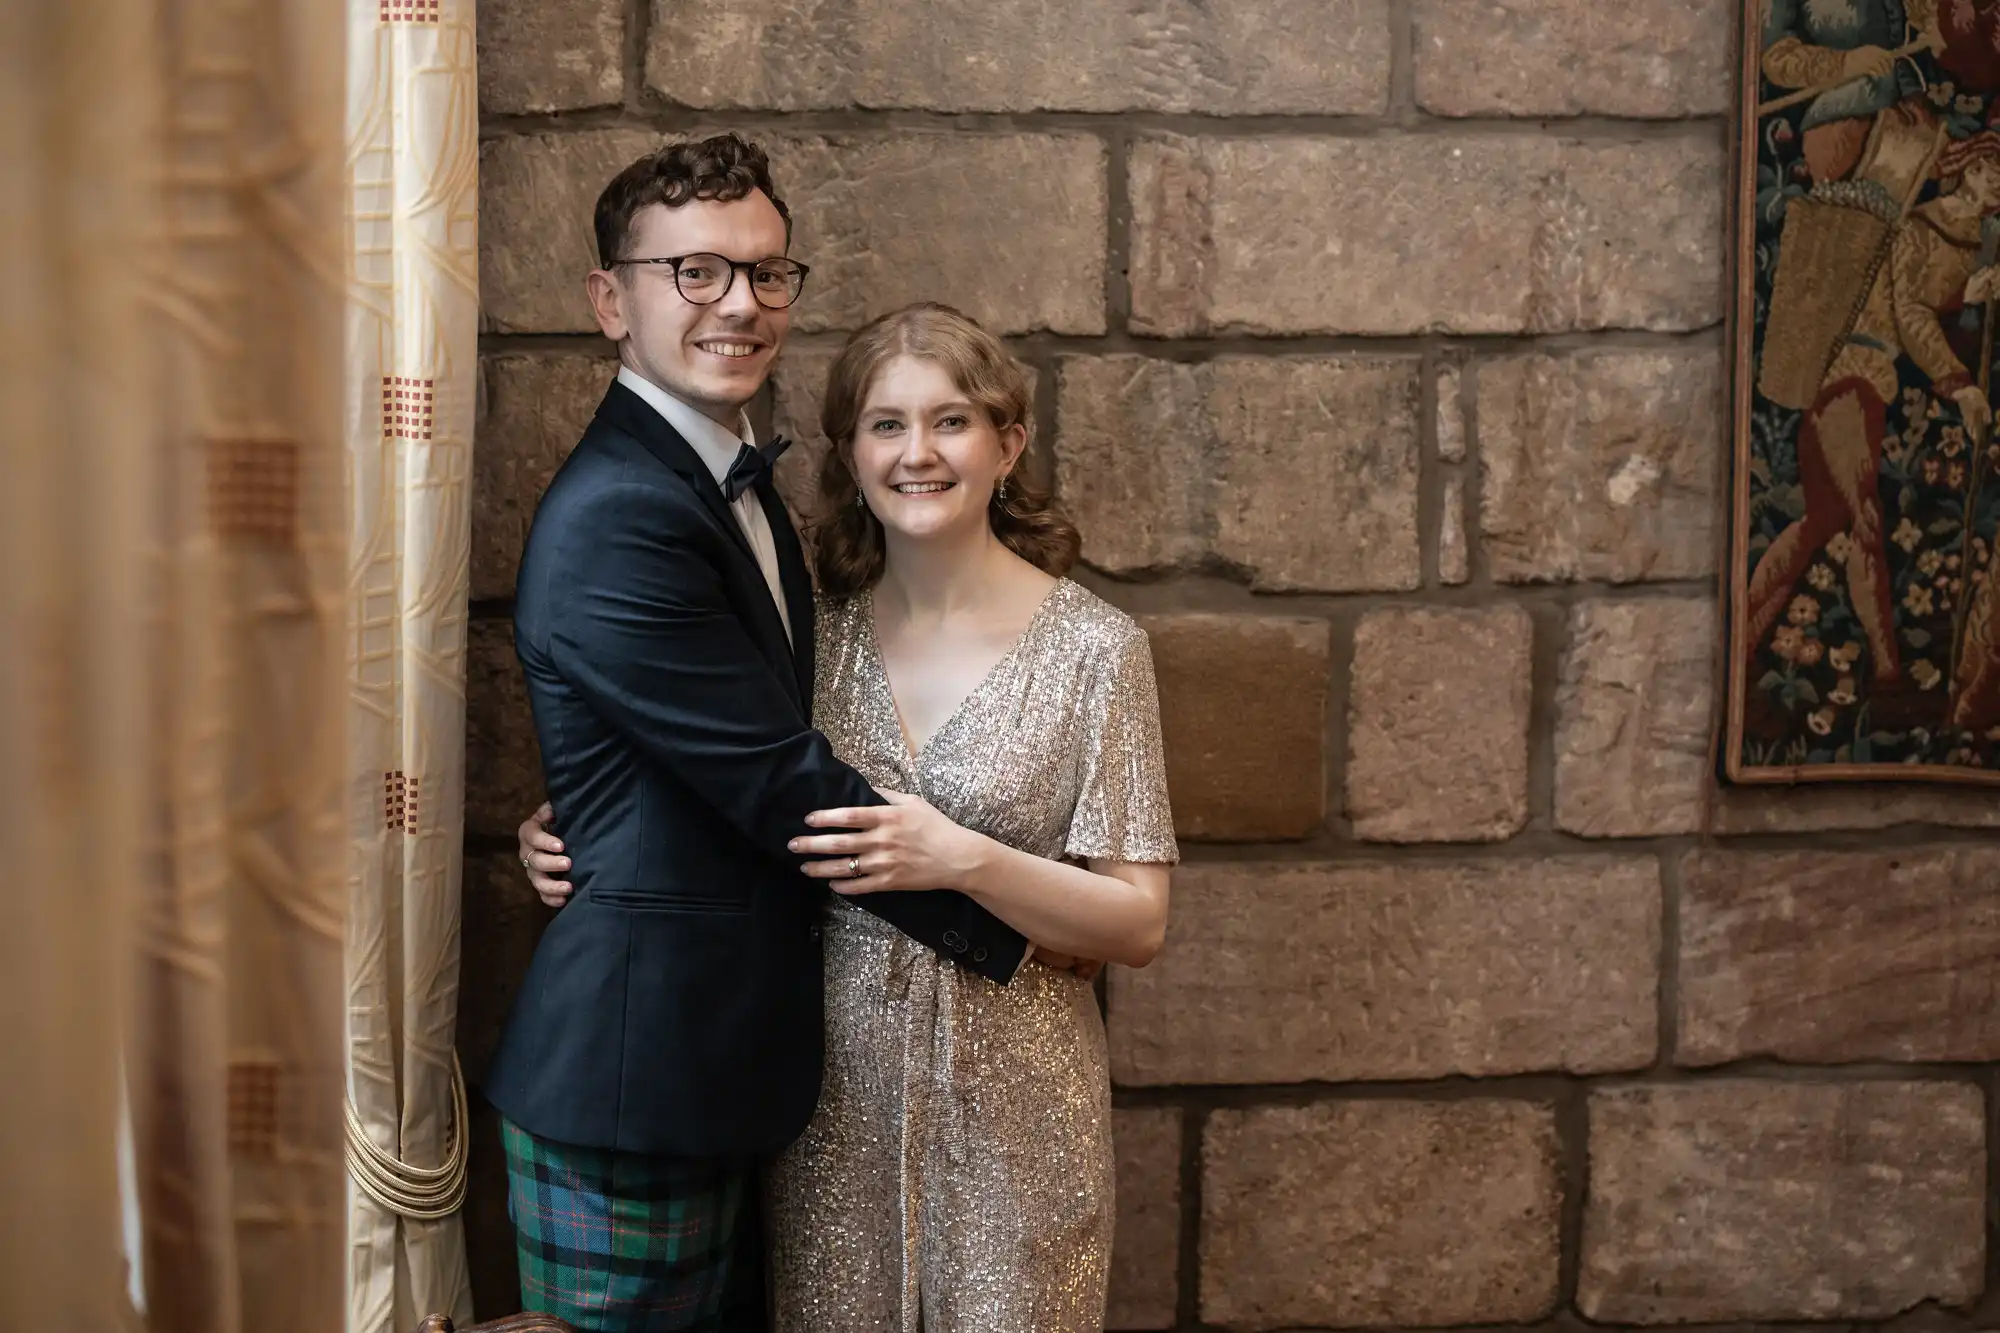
{"type": "Point", "coordinates": [1013, 443]}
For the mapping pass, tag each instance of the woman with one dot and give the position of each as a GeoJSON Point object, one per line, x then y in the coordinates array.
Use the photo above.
{"type": "Point", "coordinates": [958, 1175]}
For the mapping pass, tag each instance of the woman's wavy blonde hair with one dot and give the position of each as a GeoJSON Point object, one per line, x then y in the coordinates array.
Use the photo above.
{"type": "Point", "coordinates": [847, 538]}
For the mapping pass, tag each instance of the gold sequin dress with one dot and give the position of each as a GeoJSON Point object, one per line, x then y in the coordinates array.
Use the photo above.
{"type": "Point", "coordinates": [957, 1175]}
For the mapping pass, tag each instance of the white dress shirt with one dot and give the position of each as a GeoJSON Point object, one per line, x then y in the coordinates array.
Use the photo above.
{"type": "Point", "coordinates": [718, 446]}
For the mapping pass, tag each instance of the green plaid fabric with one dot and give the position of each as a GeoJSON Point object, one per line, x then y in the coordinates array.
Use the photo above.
{"type": "Point", "coordinates": [634, 1242]}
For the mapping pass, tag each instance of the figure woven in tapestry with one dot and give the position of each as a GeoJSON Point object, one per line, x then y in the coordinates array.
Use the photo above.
{"type": "Point", "coordinates": [1865, 608]}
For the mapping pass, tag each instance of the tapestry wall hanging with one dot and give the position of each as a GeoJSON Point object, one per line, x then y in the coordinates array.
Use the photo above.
{"type": "Point", "coordinates": [1864, 605]}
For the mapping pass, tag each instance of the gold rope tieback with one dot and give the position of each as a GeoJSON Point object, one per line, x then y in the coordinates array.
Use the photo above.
{"type": "Point", "coordinates": [423, 1194]}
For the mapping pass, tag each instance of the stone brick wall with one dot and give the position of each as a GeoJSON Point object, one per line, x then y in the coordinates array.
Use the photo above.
{"type": "Point", "coordinates": [1378, 353]}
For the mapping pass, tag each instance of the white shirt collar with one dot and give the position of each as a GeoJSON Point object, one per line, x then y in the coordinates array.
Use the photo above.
{"type": "Point", "coordinates": [715, 443]}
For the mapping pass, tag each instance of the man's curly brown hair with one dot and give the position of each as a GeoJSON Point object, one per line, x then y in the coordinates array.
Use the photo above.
{"type": "Point", "coordinates": [724, 167]}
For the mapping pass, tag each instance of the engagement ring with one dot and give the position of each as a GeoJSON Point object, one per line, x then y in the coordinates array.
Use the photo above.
{"type": "Point", "coordinates": [853, 866]}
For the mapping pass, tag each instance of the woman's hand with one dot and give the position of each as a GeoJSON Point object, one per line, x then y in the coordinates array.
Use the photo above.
{"type": "Point", "coordinates": [542, 858]}
{"type": "Point", "coordinates": [905, 844]}
{"type": "Point", "coordinates": [1087, 968]}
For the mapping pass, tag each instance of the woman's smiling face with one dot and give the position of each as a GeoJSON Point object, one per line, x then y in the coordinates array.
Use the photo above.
{"type": "Point", "coordinates": [926, 455]}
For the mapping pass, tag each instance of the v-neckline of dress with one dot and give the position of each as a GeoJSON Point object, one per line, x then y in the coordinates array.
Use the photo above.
{"type": "Point", "coordinates": [913, 754]}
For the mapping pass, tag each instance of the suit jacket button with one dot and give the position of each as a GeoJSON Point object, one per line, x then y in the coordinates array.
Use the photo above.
{"type": "Point", "coordinates": [979, 955]}
{"type": "Point", "coordinates": [815, 932]}
{"type": "Point", "coordinates": [954, 941]}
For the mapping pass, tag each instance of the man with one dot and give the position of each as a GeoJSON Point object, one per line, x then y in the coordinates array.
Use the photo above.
{"type": "Point", "coordinates": [668, 1033]}
{"type": "Point", "coordinates": [1847, 51]}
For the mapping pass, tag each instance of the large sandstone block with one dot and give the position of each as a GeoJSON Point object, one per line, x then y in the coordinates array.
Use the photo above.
{"type": "Point", "coordinates": [1836, 956]}
{"type": "Point", "coordinates": [798, 386]}
{"type": "Point", "coordinates": [533, 410]}
{"type": "Point", "coordinates": [883, 219]}
{"type": "Point", "coordinates": [1632, 717]}
{"type": "Point", "coordinates": [1379, 1213]}
{"type": "Point", "coordinates": [1299, 471]}
{"type": "Point", "coordinates": [1010, 228]}
{"type": "Point", "coordinates": [503, 760]}
{"type": "Point", "coordinates": [1243, 712]}
{"type": "Point", "coordinates": [1437, 744]}
{"type": "Point", "coordinates": [536, 196]}
{"type": "Point", "coordinates": [1135, 447]}
{"type": "Point", "coordinates": [1341, 973]}
{"type": "Point", "coordinates": [1406, 234]}
{"type": "Point", "coordinates": [1764, 1200]}
{"type": "Point", "coordinates": [1601, 466]}
{"type": "Point", "coordinates": [1665, 58]}
{"type": "Point", "coordinates": [1279, 57]}
{"type": "Point", "coordinates": [1145, 1252]}
{"type": "Point", "coordinates": [550, 55]}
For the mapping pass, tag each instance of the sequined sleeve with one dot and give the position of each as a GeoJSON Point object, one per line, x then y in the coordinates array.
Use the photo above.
{"type": "Point", "coordinates": [1121, 811]}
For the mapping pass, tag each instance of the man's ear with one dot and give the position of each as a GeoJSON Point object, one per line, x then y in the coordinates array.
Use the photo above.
{"type": "Point", "coordinates": [607, 302]}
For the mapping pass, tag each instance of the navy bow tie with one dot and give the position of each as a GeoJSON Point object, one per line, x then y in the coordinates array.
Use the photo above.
{"type": "Point", "coordinates": [752, 466]}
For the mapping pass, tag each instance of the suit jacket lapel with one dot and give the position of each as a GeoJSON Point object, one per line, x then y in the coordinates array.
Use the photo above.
{"type": "Point", "coordinates": [631, 414]}
{"type": "Point", "coordinates": [797, 582]}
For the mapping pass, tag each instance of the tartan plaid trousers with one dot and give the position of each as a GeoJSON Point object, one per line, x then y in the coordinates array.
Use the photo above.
{"type": "Point", "coordinates": [632, 1242]}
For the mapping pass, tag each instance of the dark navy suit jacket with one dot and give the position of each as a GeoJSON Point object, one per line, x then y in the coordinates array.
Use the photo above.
{"type": "Point", "coordinates": [675, 1004]}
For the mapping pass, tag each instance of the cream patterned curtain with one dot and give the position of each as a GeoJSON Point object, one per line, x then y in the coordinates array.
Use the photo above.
{"type": "Point", "coordinates": [412, 354]}
{"type": "Point", "coordinates": [174, 527]}
{"type": "Point", "coordinates": [77, 83]}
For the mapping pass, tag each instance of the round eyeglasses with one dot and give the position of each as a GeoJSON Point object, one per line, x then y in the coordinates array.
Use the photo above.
{"type": "Point", "coordinates": [705, 279]}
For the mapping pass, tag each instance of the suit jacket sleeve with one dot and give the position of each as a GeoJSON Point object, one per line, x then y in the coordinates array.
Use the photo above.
{"type": "Point", "coordinates": [646, 634]}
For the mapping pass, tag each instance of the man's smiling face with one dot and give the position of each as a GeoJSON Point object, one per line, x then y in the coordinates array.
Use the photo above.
{"type": "Point", "coordinates": [712, 357]}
